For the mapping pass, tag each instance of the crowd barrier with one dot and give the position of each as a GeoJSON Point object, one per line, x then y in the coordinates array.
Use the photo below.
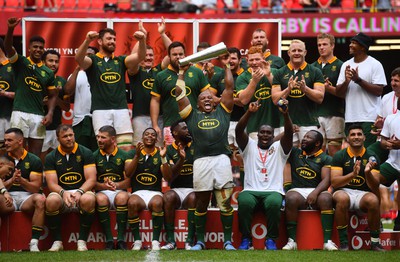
{"type": "Point", "coordinates": [16, 232]}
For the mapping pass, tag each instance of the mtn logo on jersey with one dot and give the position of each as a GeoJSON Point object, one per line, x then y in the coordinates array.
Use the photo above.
{"type": "Point", "coordinates": [187, 169]}
{"type": "Point", "coordinates": [70, 178]}
{"type": "Point", "coordinates": [33, 84]}
{"type": "Point", "coordinates": [146, 179]}
{"type": "Point", "coordinates": [208, 124]}
{"type": "Point", "coordinates": [263, 93]}
{"type": "Point", "coordinates": [111, 177]}
{"type": "Point", "coordinates": [148, 83]}
{"type": "Point", "coordinates": [188, 91]}
{"type": "Point", "coordinates": [110, 77]}
{"type": "Point", "coordinates": [296, 93]}
{"type": "Point", "coordinates": [357, 181]}
{"type": "Point", "coordinates": [306, 173]}
{"type": "Point", "coordinates": [4, 85]}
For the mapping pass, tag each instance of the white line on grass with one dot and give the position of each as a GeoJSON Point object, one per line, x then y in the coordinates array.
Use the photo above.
{"type": "Point", "coordinates": [152, 256]}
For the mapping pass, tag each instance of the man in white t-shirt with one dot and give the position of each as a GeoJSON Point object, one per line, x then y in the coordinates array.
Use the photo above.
{"type": "Point", "coordinates": [361, 82]}
{"type": "Point", "coordinates": [264, 162]}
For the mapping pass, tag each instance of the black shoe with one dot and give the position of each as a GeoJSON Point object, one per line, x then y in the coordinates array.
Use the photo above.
{"type": "Point", "coordinates": [344, 247]}
{"type": "Point", "coordinates": [377, 247]}
{"type": "Point", "coordinates": [109, 245]}
{"type": "Point", "coordinates": [121, 245]}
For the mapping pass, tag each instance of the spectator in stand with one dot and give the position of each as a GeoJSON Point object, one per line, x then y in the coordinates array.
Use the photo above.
{"type": "Point", "coordinates": [245, 6]}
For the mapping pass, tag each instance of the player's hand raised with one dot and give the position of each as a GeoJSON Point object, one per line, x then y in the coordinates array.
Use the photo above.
{"type": "Point", "coordinates": [12, 22]}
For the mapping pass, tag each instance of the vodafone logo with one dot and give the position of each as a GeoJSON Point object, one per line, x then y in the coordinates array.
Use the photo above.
{"type": "Point", "coordinates": [354, 221]}
{"type": "Point", "coordinates": [235, 197]}
{"type": "Point", "coordinates": [68, 115]}
{"type": "Point", "coordinates": [259, 231]}
{"type": "Point", "coordinates": [356, 242]}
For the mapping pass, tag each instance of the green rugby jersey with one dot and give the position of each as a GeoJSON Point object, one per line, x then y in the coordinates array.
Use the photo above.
{"type": "Point", "coordinates": [32, 82]}
{"type": "Point", "coordinates": [344, 160]}
{"type": "Point", "coordinates": [57, 114]}
{"type": "Point", "coordinates": [141, 84]}
{"type": "Point", "coordinates": [302, 109]}
{"type": "Point", "coordinates": [164, 87]}
{"type": "Point", "coordinates": [69, 169]}
{"type": "Point", "coordinates": [268, 113]}
{"type": "Point", "coordinates": [332, 105]}
{"type": "Point", "coordinates": [29, 164]}
{"type": "Point", "coordinates": [185, 178]}
{"type": "Point", "coordinates": [217, 80]}
{"type": "Point", "coordinates": [275, 61]}
{"type": "Point", "coordinates": [147, 175]}
{"type": "Point", "coordinates": [107, 82]}
{"type": "Point", "coordinates": [7, 83]}
{"type": "Point", "coordinates": [209, 131]}
{"type": "Point", "coordinates": [306, 170]}
{"type": "Point", "coordinates": [111, 166]}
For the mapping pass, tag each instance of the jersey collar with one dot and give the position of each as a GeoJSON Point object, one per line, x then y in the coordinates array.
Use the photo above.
{"type": "Point", "coordinates": [313, 155]}
{"type": "Point", "coordinates": [174, 145]}
{"type": "Point", "coordinates": [239, 71]}
{"type": "Point", "coordinates": [73, 150]}
{"type": "Point", "coordinates": [267, 54]}
{"type": "Point", "coordinates": [113, 153]}
{"type": "Point", "coordinates": [24, 154]}
{"type": "Point", "coordinates": [152, 153]}
{"type": "Point", "coordinates": [301, 67]}
{"type": "Point", "coordinates": [5, 62]}
{"type": "Point", "coordinates": [33, 63]}
{"type": "Point", "coordinates": [102, 56]}
{"type": "Point", "coordinates": [351, 154]}
{"type": "Point", "coordinates": [330, 61]}
{"type": "Point", "coordinates": [171, 68]}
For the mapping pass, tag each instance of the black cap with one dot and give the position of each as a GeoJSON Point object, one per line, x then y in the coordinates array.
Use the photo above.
{"type": "Point", "coordinates": [363, 40]}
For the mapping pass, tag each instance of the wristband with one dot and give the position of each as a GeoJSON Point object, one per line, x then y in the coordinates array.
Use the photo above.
{"type": "Point", "coordinates": [358, 80]}
{"type": "Point", "coordinates": [3, 191]}
{"type": "Point", "coordinates": [181, 84]}
{"type": "Point", "coordinates": [181, 72]}
{"type": "Point", "coordinates": [163, 160]}
{"type": "Point", "coordinates": [61, 192]}
{"type": "Point", "coordinates": [80, 191]}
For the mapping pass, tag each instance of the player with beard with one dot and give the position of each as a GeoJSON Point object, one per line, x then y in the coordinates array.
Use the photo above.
{"type": "Point", "coordinates": [209, 126]}
{"type": "Point", "coordinates": [51, 59]}
{"type": "Point", "coordinates": [149, 166]}
{"type": "Point", "coordinates": [181, 195]}
{"type": "Point", "coordinates": [264, 161]}
{"type": "Point", "coordinates": [163, 99]}
{"type": "Point", "coordinates": [259, 38]}
{"type": "Point", "coordinates": [141, 82]}
{"type": "Point", "coordinates": [310, 172]}
{"type": "Point", "coordinates": [352, 172]}
{"type": "Point", "coordinates": [71, 176]}
{"type": "Point", "coordinates": [112, 164]}
{"type": "Point", "coordinates": [106, 75]}
{"type": "Point", "coordinates": [34, 81]}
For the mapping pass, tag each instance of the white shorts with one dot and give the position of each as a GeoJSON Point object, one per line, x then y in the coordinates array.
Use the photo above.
{"type": "Point", "coordinates": [118, 118]}
{"type": "Point", "coordinates": [19, 198]}
{"type": "Point", "coordinates": [394, 187]}
{"type": "Point", "coordinates": [331, 127]}
{"type": "Point", "coordinates": [298, 136]}
{"type": "Point", "coordinates": [111, 194]}
{"type": "Point", "coordinates": [212, 172]}
{"type": "Point", "coordinates": [139, 124]}
{"type": "Point", "coordinates": [304, 192]}
{"type": "Point", "coordinates": [30, 124]}
{"type": "Point", "coordinates": [182, 193]}
{"type": "Point", "coordinates": [147, 195]}
{"type": "Point", "coordinates": [232, 134]}
{"type": "Point", "coordinates": [167, 134]}
{"type": "Point", "coordinates": [355, 197]}
{"type": "Point", "coordinates": [50, 141]}
{"type": "Point", "coordinates": [65, 208]}
{"type": "Point", "coordinates": [4, 125]}
{"type": "Point", "coordinates": [277, 131]}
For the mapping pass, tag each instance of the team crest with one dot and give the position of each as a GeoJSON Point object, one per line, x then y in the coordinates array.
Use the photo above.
{"type": "Point", "coordinates": [190, 74]}
{"type": "Point", "coordinates": [27, 165]}
{"type": "Point", "coordinates": [116, 62]}
{"type": "Point", "coordinates": [155, 161]}
{"type": "Point", "coordinates": [271, 151]}
{"type": "Point", "coordinates": [347, 163]}
{"type": "Point", "coordinates": [318, 160]}
{"type": "Point", "coordinates": [334, 68]}
{"type": "Point", "coordinates": [78, 159]}
{"type": "Point", "coordinates": [118, 161]}
{"type": "Point", "coordinates": [192, 151]}
{"type": "Point", "coordinates": [364, 162]}
{"type": "Point", "coordinates": [9, 69]}
{"type": "Point", "coordinates": [307, 75]}
{"type": "Point", "coordinates": [99, 63]}
{"type": "Point", "coordinates": [43, 73]}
